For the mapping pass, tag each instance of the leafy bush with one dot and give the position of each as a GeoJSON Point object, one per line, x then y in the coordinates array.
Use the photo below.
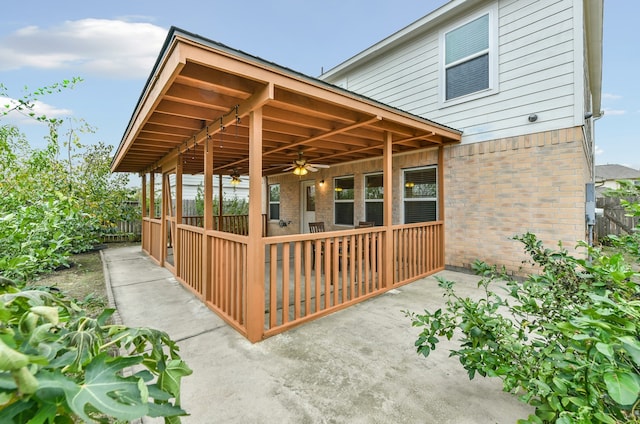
{"type": "Point", "coordinates": [56, 363]}
{"type": "Point", "coordinates": [59, 365]}
{"type": "Point", "coordinates": [52, 207]}
{"type": "Point", "coordinates": [566, 340]}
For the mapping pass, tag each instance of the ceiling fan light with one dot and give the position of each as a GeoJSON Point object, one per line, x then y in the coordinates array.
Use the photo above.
{"type": "Point", "coordinates": [300, 170]}
{"type": "Point", "coordinates": [235, 178]}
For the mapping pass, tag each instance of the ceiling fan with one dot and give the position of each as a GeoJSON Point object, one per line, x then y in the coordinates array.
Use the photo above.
{"type": "Point", "coordinates": [300, 166]}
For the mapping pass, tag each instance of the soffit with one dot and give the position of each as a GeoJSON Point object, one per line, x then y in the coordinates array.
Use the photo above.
{"type": "Point", "coordinates": [200, 96]}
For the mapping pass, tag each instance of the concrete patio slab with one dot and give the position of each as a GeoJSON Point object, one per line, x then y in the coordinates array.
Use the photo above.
{"type": "Point", "coordinates": [358, 365]}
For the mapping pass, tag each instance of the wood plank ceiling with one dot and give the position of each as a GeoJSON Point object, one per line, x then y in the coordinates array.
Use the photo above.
{"type": "Point", "coordinates": [200, 96]}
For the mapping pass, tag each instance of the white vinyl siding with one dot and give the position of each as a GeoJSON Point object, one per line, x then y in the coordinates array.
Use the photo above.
{"type": "Point", "coordinates": [535, 72]}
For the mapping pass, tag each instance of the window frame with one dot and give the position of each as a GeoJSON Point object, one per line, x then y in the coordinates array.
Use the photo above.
{"type": "Point", "coordinates": [492, 51]}
{"type": "Point", "coordinates": [272, 202]}
{"type": "Point", "coordinates": [343, 201]}
{"type": "Point", "coordinates": [364, 194]}
{"type": "Point", "coordinates": [421, 199]}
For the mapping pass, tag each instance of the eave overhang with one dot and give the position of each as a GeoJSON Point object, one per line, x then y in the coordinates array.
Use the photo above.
{"type": "Point", "coordinates": [200, 94]}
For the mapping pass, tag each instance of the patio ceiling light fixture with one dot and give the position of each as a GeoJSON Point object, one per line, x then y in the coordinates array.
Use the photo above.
{"type": "Point", "coordinates": [300, 170]}
{"type": "Point", "coordinates": [409, 184]}
{"type": "Point", "coordinates": [338, 189]}
{"type": "Point", "coordinates": [235, 177]}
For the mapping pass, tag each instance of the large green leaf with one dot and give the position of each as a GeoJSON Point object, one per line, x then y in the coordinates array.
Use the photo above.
{"type": "Point", "coordinates": [169, 379]}
{"type": "Point", "coordinates": [632, 346]}
{"type": "Point", "coordinates": [622, 387]}
{"type": "Point", "coordinates": [103, 389]}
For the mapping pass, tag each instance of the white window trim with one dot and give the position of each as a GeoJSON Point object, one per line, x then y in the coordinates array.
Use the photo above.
{"type": "Point", "coordinates": [494, 88]}
{"type": "Point", "coordinates": [364, 192]}
{"type": "Point", "coordinates": [272, 202]}
{"type": "Point", "coordinates": [421, 199]}
{"type": "Point", "coordinates": [343, 177]}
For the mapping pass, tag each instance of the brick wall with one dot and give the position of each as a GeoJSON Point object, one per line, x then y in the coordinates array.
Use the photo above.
{"type": "Point", "coordinates": [501, 188]}
{"type": "Point", "coordinates": [493, 191]}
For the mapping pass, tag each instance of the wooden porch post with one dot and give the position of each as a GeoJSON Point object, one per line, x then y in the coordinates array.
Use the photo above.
{"type": "Point", "coordinates": [441, 193]}
{"type": "Point", "coordinates": [152, 194]}
{"type": "Point", "coordinates": [144, 213]}
{"type": "Point", "coordinates": [143, 195]}
{"type": "Point", "coordinates": [220, 212]}
{"type": "Point", "coordinates": [255, 249]}
{"type": "Point", "coordinates": [178, 217]}
{"type": "Point", "coordinates": [207, 219]}
{"type": "Point", "coordinates": [164, 210]}
{"type": "Point", "coordinates": [387, 201]}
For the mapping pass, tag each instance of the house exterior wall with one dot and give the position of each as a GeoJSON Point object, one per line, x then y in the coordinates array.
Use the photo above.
{"type": "Point", "coordinates": [509, 175]}
{"type": "Point", "coordinates": [537, 70]}
{"type": "Point", "coordinates": [507, 187]}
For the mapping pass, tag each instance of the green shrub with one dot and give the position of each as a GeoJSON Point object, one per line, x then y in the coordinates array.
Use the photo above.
{"type": "Point", "coordinates": [59, 365]}
{"type": "Point", "coordinates": [566, 340]}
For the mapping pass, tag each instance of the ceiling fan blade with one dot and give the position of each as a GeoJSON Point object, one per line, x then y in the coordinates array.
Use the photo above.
{"type": "Point", "coordinates": [311, 168]}
{"type": "Point", "coordinates": [289, 168]}
{"type": "Point", "coordinates": [318, 165]}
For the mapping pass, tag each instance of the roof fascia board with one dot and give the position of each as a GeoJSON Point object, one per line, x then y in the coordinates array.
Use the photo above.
{"type": "Point", "coordinates": [594, 15]}
{"type": "Point", "coordinates": [164, 72]}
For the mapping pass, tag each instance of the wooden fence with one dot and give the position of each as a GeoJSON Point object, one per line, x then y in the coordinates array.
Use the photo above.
{"type": "Point", "coordinates": [236, 224]}
{"type": "Point", "coordinates": [124, 231]}
{"type": "Point", "coordinates": [613, 219]}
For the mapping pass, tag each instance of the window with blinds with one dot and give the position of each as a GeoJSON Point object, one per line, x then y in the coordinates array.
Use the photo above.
{"type": "Point", "coordinates": [373, 201]}
{"type": "Point", "coordinates": [343, 196]}
{"type": "Point", "coordinates": [420, 195]}
{"type": "Point", "coordinates": [467, 64]}
{"type": "Point", "coordinates": [274, 201]}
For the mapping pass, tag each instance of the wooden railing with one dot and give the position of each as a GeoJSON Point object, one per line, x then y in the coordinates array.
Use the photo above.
{"type": "Point", "coordinates": [227, 284]}
{"type": "Point", "coordinates": [418, 251]}
{"type": "Point", "coordinates": [306, 275]}
{"type": "Point", "coordinates": [152, 237]}
{"type": "Point", "coordinates": [146, 235]}
{"type": "Point", "coordinates": [189, 257]}
{"type": "Point", "coordinates": [235, 224]}
{"type": "Point", "coordinates": [311, 275]}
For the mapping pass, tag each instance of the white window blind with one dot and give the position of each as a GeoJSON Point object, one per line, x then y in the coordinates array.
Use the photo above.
{"type": "Point", "coordinates": [420, 195]}
{"type": "Point", "coordinates": [467, 61]}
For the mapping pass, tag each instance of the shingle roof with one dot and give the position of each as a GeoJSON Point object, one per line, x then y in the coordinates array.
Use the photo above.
{"type": "Point", "coordinates": [616, 172]}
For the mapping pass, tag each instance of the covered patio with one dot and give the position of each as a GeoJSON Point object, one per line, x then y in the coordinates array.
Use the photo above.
{"type": "Point", "coordinates": [212, 110]}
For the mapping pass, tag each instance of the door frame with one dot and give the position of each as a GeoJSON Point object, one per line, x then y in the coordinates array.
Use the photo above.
{"type": "Point", "coordinates": [307, 216]}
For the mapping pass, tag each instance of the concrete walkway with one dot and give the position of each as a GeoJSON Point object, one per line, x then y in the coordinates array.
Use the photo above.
{"type": "Point", "coordinates": [358, 365]}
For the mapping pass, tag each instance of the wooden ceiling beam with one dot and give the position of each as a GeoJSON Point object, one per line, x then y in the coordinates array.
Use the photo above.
{"type": "Point", "coordinates": [200, 97]}
{"type": "Point", "coordinates": [174, 108]}
{"type": "Point", "coordinates": [199, 75]}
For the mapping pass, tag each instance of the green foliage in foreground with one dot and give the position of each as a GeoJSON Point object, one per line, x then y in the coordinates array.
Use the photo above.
{"type": "Point", "coordinates": [59, 365]}
{"type": "Point", "coordinates": [566, 340]}
{"type": "Point", "coordinates": [57, 200]}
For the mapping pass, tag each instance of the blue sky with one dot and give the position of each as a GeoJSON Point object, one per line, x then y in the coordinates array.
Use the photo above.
{"type": "Point", "coordinates": [113, 45]}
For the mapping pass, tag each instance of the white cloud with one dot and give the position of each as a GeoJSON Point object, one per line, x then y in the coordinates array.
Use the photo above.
{"type": "Point", "coordinates": [614, 112]}
{"type": "Point", "coordinates": [39, 108]}
{"type": "Point", "coordinates": [599, 150]}
{"type": "Point", "coordinates": [112, 48]}
{"type": "Point", "coordinates": [610, 96]}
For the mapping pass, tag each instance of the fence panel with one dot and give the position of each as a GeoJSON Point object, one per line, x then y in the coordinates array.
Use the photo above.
{"type": "Point", "coordinates": [189, 256]}
{"type": "Point", "coordinates": [227, 285]}
{"type": "Point", "coordinates": [311, 275]}
{"type": "Point", "coordinates": [613, 219]}
{"type": "Point", "coordinates": [418, 251]}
